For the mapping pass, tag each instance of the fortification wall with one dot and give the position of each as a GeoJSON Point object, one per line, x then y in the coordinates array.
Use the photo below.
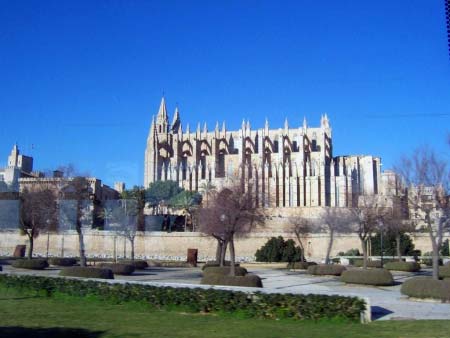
{"type": "Point", "coordinates": [163, 245]}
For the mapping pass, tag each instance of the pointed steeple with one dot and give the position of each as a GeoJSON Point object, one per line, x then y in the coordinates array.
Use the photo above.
{"type": "Point", "coordinates": [162, 112]}
{"type": "Point", "coordinates": [305, 125]}
{"type": "Point", "coordinates": [286, 124]}
{"type": "Point", "coordinates": [162, 119]}
{"type": "Point", "coordinates": [224, 130]}
{"type": "Point", "coordinates": [266, 127]}
{"type": "Point", "coordinates": [217, 128]}
{"type": "Point", "coordinates": [176, 123]}
{"type": "Point", "coordinates": [188, 130]}
{"type": "Point", "coordinates": [198, 129]}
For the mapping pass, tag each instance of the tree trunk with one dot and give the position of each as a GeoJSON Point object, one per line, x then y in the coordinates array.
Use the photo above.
{"type": "Point", "coordinates": [364, 249]}
{"type": "Point", "coordinates": [81, 246]}
{"type": "Point", "coordinates": [30, 249]}
{"type": "Point", "coordinates": [397, 242]}
{"type": "Point", "coordinates": [132, 249]}
{"type": "Point", "coordinates": [219, 250]}
{"type": "Point", "coordinates": [232, 258]}
{"type": "Point", "coordinates": [435, 258]}
{"type": "Point", "coordinates": [330, 245]}
{"type": "Point", "coordinates": [435, 248]}
{"type": "Point", "coordinates": [224, 252]}
{"type": "Point", "coordinates": [300, 243]}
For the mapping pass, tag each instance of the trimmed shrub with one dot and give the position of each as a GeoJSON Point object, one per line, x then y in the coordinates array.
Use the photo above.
{"type": "Point", "coordinates": [214, 263]}
{"type": "Point", "coordinates": [60, 261]}
{"type": "Point", "coordinates": [300, 265]}
{"type": "Point", "coordinates": [444, 271]}
{"type": "Point", "coordinates": [403, 266]}
{"type": "Point", "coordinates": [326, 269]}
{"type": "Point", "coordinates": [370, 264]}
{"type": "Point", "coordinates": [139, 264]}
{"type": "Point", "coordinates": [87, 272]}
{"type": "Point", "coordinates": [426, 287]}
{"type": "Point", "coordinates": [368, 277]}
{"type": "Point", "coordinates": [33, 264]}
{"type": "Point", "coordinates": [351, 252]}
{"type": "Point", "coordinates": [218, 279]}
{"type": "Point", "coordinates": [118, 268]}
{"type": "Point", "coordinates": [169, 264]}
{"type": "Point", "coordinates": [277, 249]}
{"type": "Point", "coordinates": [257, 304]}
{"type": "Point", "coordinates": [224, 270]}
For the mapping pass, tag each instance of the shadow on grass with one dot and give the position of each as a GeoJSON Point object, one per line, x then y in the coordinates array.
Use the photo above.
{"type": "Point", "coordinates": [379, 312]}
{"type": "Point", "coordinates": [51, 332]}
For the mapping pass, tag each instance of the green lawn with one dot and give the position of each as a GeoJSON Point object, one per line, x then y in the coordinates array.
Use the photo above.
{"type": "Point", "coordinates": [25, 315]}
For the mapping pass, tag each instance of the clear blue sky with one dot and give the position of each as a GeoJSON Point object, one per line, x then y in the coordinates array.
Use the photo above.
{"type": "Point", "coordinates": [81, 79]}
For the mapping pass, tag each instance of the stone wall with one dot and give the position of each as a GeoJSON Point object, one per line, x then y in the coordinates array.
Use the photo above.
{"type": "Point", "coordinates": [163, 245]}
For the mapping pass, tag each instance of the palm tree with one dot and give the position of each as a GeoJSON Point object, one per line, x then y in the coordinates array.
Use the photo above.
{"type": "Point", "coordinates": [208, 189]}
{"type": "Point", "coordinates": [186, 201]}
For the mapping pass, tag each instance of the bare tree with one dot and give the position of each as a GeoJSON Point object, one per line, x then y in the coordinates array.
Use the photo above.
{"type": "Point", "coordinates": [79, 190]}
{"type": "Point", "coordinates": [301, 226]}
{"type": "Point", "coordinates": [37, 213]}
{"type": "Point", "coordinates": [369, 211]}
{"type": "Point", "coordinates": [427, 178]}
{"type": "Point", "coordinates": [232, 212]}
{"type": "Point", "coordinates": [335, 220]}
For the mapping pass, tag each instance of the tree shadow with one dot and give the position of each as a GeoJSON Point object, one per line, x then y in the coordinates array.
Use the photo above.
{"type": "Point", "coordinates": [51, 332]}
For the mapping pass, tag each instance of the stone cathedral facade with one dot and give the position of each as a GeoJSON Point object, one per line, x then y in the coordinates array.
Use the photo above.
{"type": "Point", "coordinates": [284, 167]}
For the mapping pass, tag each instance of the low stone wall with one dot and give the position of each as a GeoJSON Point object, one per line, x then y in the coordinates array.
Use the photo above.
{"type": "Point", "coordinates": [174, 246]}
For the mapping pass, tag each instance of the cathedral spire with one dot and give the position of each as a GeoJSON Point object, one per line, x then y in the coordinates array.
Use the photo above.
{"type": "Point", "coordinates": [224, 130]}
{"type": "Point", "coordinates": [162, 112]}
{"type": "Point", "coordinates": [205, 130]}
{"type": "Point", "coordinates": [305, 125]}
{"type": "Point", "coordinates": [286, 124]}
{"type": "Point", "coordinates": [176, 123]}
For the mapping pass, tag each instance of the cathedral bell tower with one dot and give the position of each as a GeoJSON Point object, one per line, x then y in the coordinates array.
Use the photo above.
{"type": "Point", "coordinates": [159, 148]}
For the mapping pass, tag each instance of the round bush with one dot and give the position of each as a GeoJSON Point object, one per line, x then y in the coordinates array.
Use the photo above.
{"type": "Point", "coordinates": [87, 272]}
{"type": "Point", "coordinates": [368, 277]}
{"type": "Point", "coordinates": [224, 270]}
{"type": "Point", "coordinates": [300, 265]}
{"type": "Point", "coordinates": [218, 279]}
{"type": "Point", "coordinates": [33, 264]}
{"type": "Point", "coordinates": [138, 264]}
{"type": "Point", "coordinates": [444, 271]}
{"type": "Point", "coordinates": [214, 263]}
{"type": "Point", "coordinates": [326, 269]}
{"type": "Point", "coordinates": [426, 287]}
{"type": "Point", "coordinates": [118, 268]}
{"type": "Point", "coordinates": [403, 266]}
{"type": "Point", "coordinates": [59, 261]}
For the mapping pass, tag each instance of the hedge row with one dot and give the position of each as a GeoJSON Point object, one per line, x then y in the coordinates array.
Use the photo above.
{"type": "Point", "coordinates": [214, 263]}
{"type": "Point", "coordinates": [87, 272]}
{"type": "Point", "coordinates": [403, 266]}
{"type": "Point", "coordinates": [224, 270]}
{"type": "Point", "coordinates": [326, 269]}
{"type": "Point", "coordinates": [379, 277]}
{"type": "Point", "coordinates": [300, 265]}
{"type": "Point", "coordinates": [426, 287]}
{"type": "Point", "coordinates": [33, 264]}
{"type": "Point", "coordinates": [138, 264]}
{"type": "Point", "coordinates": [62, 261]}
{"type": "Point", "coordinates": [118, 268]}
{"type": "Point", "coordinates": [219, 279]}
{"type": "Point", "coordinates": [259, 305]}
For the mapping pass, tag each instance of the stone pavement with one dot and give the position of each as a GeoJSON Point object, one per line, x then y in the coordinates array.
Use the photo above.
{"type": "Point", "coordinates": [386, 302]}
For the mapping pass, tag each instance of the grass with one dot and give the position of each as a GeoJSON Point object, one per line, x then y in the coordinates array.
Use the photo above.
{"type": "Point", "coordinates": [30, 315]}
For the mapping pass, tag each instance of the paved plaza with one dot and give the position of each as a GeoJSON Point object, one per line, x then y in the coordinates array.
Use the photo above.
{"type": "Point", "coordinates": [386, 302]}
